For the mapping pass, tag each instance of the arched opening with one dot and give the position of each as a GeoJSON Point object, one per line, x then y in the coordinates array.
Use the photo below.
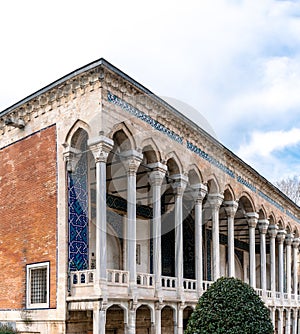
{"type": "Point", "coordinates": [167, 320]}
{"type": "Point", "coordinates": [143, 320]}
{"type": "Point", "coordinates": [187, 312]}
{"type": "Point", "coordinates": [114, 320]}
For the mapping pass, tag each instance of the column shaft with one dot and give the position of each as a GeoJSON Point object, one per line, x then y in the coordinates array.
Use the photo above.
{"type": "Point", "coordinates": [263, 227]}
{"type": "Point", "coordinates": [280, 236]}
{"type": "Point", "coordinates": [100, 147]}
{"type": "Point", "coordinates": [156, 177]}
{"type": "Point", "coordinates": [230, 208]}
{"type": "Point", "coordinates": [296, 243]}
{"type": "Point", "coordinates": [252, 221]}
{"type": "Point", "coordinates": [200, 192]}
{"type": "Point", "coordinates": [272, 233]}
{"type": "Point", "coordinates": [288, 242]}
{"type": "Point", "coordinates": [215, 201]}
{"type": "Point", "coordinates": [179, 185]}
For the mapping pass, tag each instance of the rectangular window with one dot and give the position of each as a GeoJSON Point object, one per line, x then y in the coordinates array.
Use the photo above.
{"type": "Point", "coordinates": [37, 295]}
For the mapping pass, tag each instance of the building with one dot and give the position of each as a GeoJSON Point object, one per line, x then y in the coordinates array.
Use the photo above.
{"type": "Point", "coordinates": [117, 212]}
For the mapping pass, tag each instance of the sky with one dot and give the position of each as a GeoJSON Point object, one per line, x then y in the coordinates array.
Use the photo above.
{"type": "Point", "coordinates": [235, 62]}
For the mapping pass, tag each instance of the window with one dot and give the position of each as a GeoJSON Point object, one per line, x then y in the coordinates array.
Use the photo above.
{"type": "Point", "coordinates": [37, 285]}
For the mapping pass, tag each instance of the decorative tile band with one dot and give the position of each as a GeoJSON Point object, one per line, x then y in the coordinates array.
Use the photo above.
{"type": "Point", "coordinates": [206, 156]}
{"type": "Point", "coordinates": [142, 116]}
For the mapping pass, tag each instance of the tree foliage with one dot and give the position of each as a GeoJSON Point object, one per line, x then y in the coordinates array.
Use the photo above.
{"type": "Point", "coordinates": [7, 329]}
{"type": "Point", "coordinates": [290, 187]}
{"type": "Point", "coordinates": [230, 306]}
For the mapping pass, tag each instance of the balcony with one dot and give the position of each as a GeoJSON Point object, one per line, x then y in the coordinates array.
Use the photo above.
{"type": "Point", "coordinates": [81, 285]}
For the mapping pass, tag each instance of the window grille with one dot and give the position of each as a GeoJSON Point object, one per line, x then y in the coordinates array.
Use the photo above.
{"type": "Point", "coordinates": [38, 285]}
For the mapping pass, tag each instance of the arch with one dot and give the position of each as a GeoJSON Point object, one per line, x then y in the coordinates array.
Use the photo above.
{"type": "Point", "coordinates": [246, 203]}
{"type": "Point", "coordinates": [272, 218]}
{"type": "Point", "coordinates": [150, 150]}
{"type": "Point", "coordinates": [79, 124]}
{"type": "Point", "coordinates": [213, 185]}
{"type": "Point", "coordinates": [229, 193]}
{"type": "Point", "coordinates": [123, 134]}
{"type": "Point", "coordinates": [280, 224]}
{"type": "Point", "coordinates": [173, 163]}
{"type": "Point", "coordinates": [187, 312]}
{"type": "Point", "coordinates": [143, 319]}
{"type": "Point", "coordinates": [194, 175]}
{"type": "Point", "coordinates": [115, 319]}
{"type": "Point", "coordinates": [168, 319]}
{"type": "Point", "coordinates": [262, 214]}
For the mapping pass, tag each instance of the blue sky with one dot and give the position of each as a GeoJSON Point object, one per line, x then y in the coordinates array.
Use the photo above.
{"type": "Point", "coordinates": [236, 62]}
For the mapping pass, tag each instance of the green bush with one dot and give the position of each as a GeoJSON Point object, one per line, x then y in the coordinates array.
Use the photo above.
{"type": "Point", "coordinates": [7, 329]}
{"type": "Point", "coordinates": [230, 306]}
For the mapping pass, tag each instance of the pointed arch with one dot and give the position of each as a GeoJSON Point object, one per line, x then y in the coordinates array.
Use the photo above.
{"type": "Point", "coordinates": [229, 194]}
{"type": "Point", "coordinates": [213, 185]}
{"type": "Point", "coordinates": [150, 150]}
{"type": "Point", "coordinates": [246, 202]}
{"type": "Point", "coordinates": [262, 213]}
{"type": "Point", "coordinates": [194, 175]}
{"type": "Point", "coordinates": [125, 133]}
{"type": "Point", "coordinates": [174, 164]}
{"type": "Point", "coordinates": [77, 126]}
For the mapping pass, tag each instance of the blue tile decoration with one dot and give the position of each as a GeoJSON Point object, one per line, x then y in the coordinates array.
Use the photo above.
{"type": "Point", "coordinates": [78, 216]}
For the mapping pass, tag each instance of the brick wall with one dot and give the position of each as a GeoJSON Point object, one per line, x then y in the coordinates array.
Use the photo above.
{"type": "Point", "coordinates": [27, 214]}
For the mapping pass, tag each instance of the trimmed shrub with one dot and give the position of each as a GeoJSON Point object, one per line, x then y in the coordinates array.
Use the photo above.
{"type": "Point", "coordinates": [230, 306]}
{"type": "Point", "coordinates": [7, 329]}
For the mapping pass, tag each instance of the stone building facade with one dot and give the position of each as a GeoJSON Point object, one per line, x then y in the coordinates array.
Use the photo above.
{"type": "Point", "coordinates": [117, 212]}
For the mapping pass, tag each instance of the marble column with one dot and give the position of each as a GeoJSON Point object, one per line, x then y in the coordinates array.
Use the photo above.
{"type": "Point", "coordinates": [288, 242]}
{"type": "Point", "coordinates": [131, 160]}
{"type": "Point", "coordinates": [156, 177]}
{"type": "Point", "coordinates": [280, 321]}
{"type": "Point", "coordinates": [179, 185]}
{"type": "Point", "coordinates": [230, 208]}
{"type": "Point", "coordinates": [280, 237]}
{"type": "Point", "coordinates": [100, 147]}
{"type": "Point", "coordinates": [200, 190]}
{"type": "Point", "coordinates": [157, 324]}
{"type": "Point", "coordinates": [99, 320]}
{"type": "Point", "coordinates": [272, 230]}
{"type": "Point", "coordinates": [263, 227]}
{"type": "Point", "coordinates": [296, 243]}
{"type": "Point", "coordinates": [295, 321]}
{"type": "Point", "coordinates": [288, 322]}
{"type": "Point", "coordinates": [252, 218]}
{"type": "Point", "coordinates": [215, 201]}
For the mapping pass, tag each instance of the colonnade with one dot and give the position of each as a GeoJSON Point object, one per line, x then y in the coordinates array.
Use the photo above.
{"type": "Point", "coordinates": [131, 159]}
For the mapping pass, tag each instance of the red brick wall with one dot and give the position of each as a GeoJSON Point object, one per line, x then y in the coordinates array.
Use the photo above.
{"type": "Point", "coordinates": [27, 214]}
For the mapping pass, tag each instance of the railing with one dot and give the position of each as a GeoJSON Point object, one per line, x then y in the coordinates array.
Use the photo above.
{"type": "Point", "coordinates": [146, 280]}
{"type": "Point", "coordinates": [118, 277]}
{"type": "Point", "coordinates": [84, 277]}
{"type": "Point", "coordinates": [169, 282]}
{"type": "Point", "coordinates": [190, 284]}
{"type": "Point", "coordinates": [206, 285]}
{"type": "Point", "coordinates": [121, 278]}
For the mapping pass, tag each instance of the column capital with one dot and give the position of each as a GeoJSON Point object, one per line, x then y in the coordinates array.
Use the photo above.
{"type": "Point", "coordinates": [71, 156]}
{"type": "Point", "coordinates": [179, 183]}
{"type": "Point", "coordinates": [231, 208]}
{"type": "Point", "coordinates": [296, 242]}
{"type": "Point", "coordinates": [157, 173]}
{"type": "Point", "coordinates": [272, 230]}
{"type": "Point", "coordinates": [199, 191]}
{"type": "Point", "coordinates": [252, 218]}
{"type": "Point", "coordinates": [263, 225]}
{"type": "Point", "coordinates": [289, 239]}
{"type": "Point", "coordinates": [215, 200]}
{"type": "Point", "coordinates": [281, 236]}
{"type": "Point", "coordinates": [131, 160]}
{"type": "Point", "coordinates": [100, 147]}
